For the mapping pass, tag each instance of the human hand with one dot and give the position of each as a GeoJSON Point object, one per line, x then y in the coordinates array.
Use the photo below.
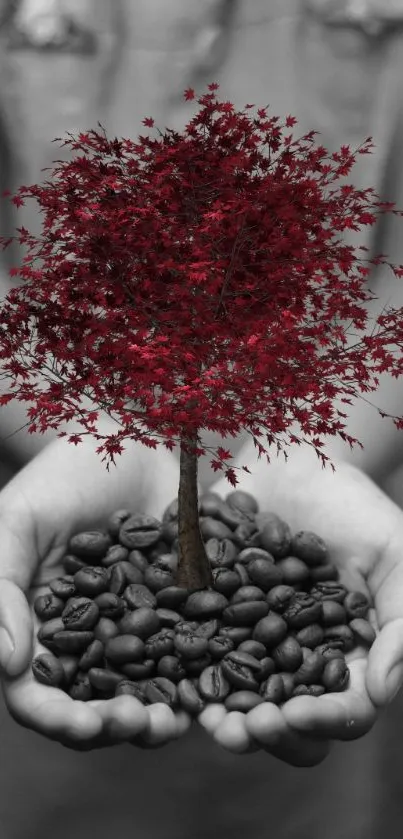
{"type": "Point", "coordinates": [66, 489]}
{"type": "Point", "coordinates": [363, 529]}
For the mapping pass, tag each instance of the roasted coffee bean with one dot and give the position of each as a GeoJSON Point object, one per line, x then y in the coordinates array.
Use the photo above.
{"type": "Point", "coordinates": [80, 613]}
{"type": "Point", "coordinates": [329, 652]}
{"type": "Point", "coordinates": [70, 666]}
{"type": "Point", "coordinates": [309, 547]}
{"type": "Point", "coordinates": [90, 545]}
{"type": "Point", "coordinates": [138, 559]}
{"type": "Point", "coordinates": [275, 536]}
{"type": "Point", "coordinates": [245, 659]}
{"type": "Point", "coordinates": [143, 622]}
{"type": "Point", "coordinates": [243, 501]}
{"type": "Point", "coordinates": [247, 593]}
{"type": "Point", "coordinates": [110, 605]}
{"type": "Point", "coordinates": [190, 646]}
{"type": "Point", "coordinates": [213, 685]}
{"type": "Point", "coordinates": [329, 590]}
{"type": "Point", "coordinates": [221, 553]}
{"type": "Point", "coordinates": [63, 587]}
{"type": "Point", "coordinates": [48, 606]}
{"type": "Point", "coordinates": [310, 636]}
{"type": "Point", "coordinates": [279, 597]}
{"type": "Point", "coordinates": [172, 597]}
{"type": "Point", "coordinates": [71, 641]}
{"type": "Point", "coordinates": [218, 647]}
{"type": "Point", "coordinates": [356, 605]}
{"type": "Point", "coordinates": [205, 604]}
{"type": "Point", "coordinates": [270, 630]}
{"type": "Point", "coordinates": [254, 648]}
{"type": "Point", "coordinates": [239, 675]}
{"type": "Point", "coordinates": [237, 634]}
{"type": "Point", "coordinates": [293, 570]}
{"type": "Point", "coordinates": [265, 574]}
{"type": "Point", "coordinates": [246, 535]}
{"type": "Point", "coordinates": [209, 629]}
{"type": "Point", "coordinates": [168, 618]}
{"type": "Point", "coordinates": [93, 656]}
{"type": "Point", "coordinates": [225, 581]}
{"type": "Point", "coordinates": [340, 635]}
{"type": "Point", "coordinates": [308, 690]}
{"type": "Point", "coordinates": [333, 613]}
{"type": "Point", "coordinates": [137, 596]}
{"type": "Point", "coordinates": [117, 582]}
{"type": "Point", "coordinates": [169, 531]}
{"type": "Point", "coordinates": [302, 610]}
{"type": "Point", "coordinates": [243, 700]}
{"type": "Point", "coordinates": [363, 631]}
{"type": "Point", "coordinates": [48, 630]}
{"type": "Point", "coordinates": [171, 668]}
{"type": "Point", "coordinates": [246, 555]}
{"type": "Point", "coordinates": [105, 629]}
{"type": "Point", "coordinates": [210, 504]}
{"type": "Point", "coordinates": [72, 564]}
{"type": "Point", "coordinates": [272, 690]}
{"type": "Point", "coordinates": [104, 679]}
{"type": "Point", "coordinates": [267, 668]}
{"type": "Point", "coordinates": [116, 520]}
{"type": "Point", "coordinates": [81, 689]}
{"type": "Point", "coordinates": [336, 675]}
{"type": "Point", "coordinates": [167, 562]}
{"type": "Point", "coordinates": [310, 671]}
{"type": "Point", "coordinates": [48, 670]}
{"type": "Point", "coordinates": [214, 529]}
{"type": "Point", "coordinates": [189, 697]}
{"type": "Point", "coordinates": [91, 581]}
{"type": "Point", "coordinates": [133, 575]}
{"type": "Point", "coordinates": [242, 574]}
{"type": "Point", "coordinates": [158, 578]}
{"type": "Point", "coordinates": [288, 654]}
{"type": "Point", "coordinates": [187, 627]}
{"type": "Point", "coordinates": [232, 517]}
{"type": "Point", "coordinates": [115, 554]}
{"type": "Point", "coordinates": [128, 688]}
{"type": "Point", "coordinates": [245, 614]}
{"type": "Point", "coordinates": [159, 644]}
{"type": "Point", "coordinates": [139, 670]}
{"type": "Point", "coordinates": [124, 649]}
{"type": "Point", "coordinates": [140, 531]}
{"type": "Point", "coordinates": [325, 572]}
{"type": "Point", "coordinates": [288, 683]}
{"type": "Point", "coordinates": [160, 689]}
{"type": "Point", "coordinates": [195, 666]}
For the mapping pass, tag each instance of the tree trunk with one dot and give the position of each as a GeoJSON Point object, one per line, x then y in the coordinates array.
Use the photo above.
{"type": "Point", "coordinates": [194, 571]}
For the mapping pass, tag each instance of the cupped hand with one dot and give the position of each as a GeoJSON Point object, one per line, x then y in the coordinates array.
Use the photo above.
{"type": "Point", "coordinates": [67, 489]}
{"type": "Point", "coordinates": [363, 529]}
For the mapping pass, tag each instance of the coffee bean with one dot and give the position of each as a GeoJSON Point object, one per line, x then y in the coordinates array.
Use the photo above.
{"type": "Point", "coordinates": [48, 670]}
{"type": "Point", "coordinates": [242, 574]}
{"type": "Point", "coordinates": [272, 690]}
{"type": "Point", "coordinates": [308, 690]}
{"type": "Point", "coordinates": [336, 675]}
{"type": "Point", "coordinates": [91, 581]}
{"type": "Point", "coordinates": [288, 654]}
{"type": "Point", "coordinates": [310, 636]}
{"type": "Point", "coordinates": [245, 614]}
{"type": "Point", "coordinates": [139, 670]}
{"type": "Point", "coordinates": [233, 517]}
{"type": "Point", "coordinates": [205, 604]}
{"type": "Point", "coordinates": [189, 697]}
{"type": "Point", "coordinates": [356, 605]}
{"type": "Point", "coordinates": [124, 649]}
{"type": "Point", "coordinates": [160, 689]}
{"type": "Point", "coordinates": [333, 613]}
{"type": "Point", "coordinates": [311, 670]}
{"type": "Point", "coordinates": [117, 581]}
{"type": "Point", "coordinates": [238, 675]}
{"type": "Point", "coordinates": [190, 646]}
{"type": "Point", "coordinates": [48, 606]}
{"type": "Point", "coordinates": [218, 647]}
{"type": "Point", "coordinates": [72, 564]}
{"type": "Point", "coordinates": [243, 501]}
{"type": "Point", "coordinates": [132, 574]}
{"type": "Point", "coordinates": [168, 618]}
{"type": "Point", "coordinates": [267, 668]}
{"type": "Point", "coordinates": [91, 545]}
{"type": "Point", "coordinates": [221, 553]}
{"type": "Point", "coordinates": [294, 571]}
{"type": "Point", "coordinates": [288, 683]}
{"type": "Point", "coordinates": [166, 561]}
{"type": "Point", "coordinates": [71, 641]}
{"type": "Point", "coordinates": [254, 648]}
{"type": "Point", "coordinates": [209, 629]}
{"type": "Point", "coordinates": [169, 531]}
{"type": "Point", "coordinates": [105, 629]}
{"type": "Point", "coordinates": [245, 659]}
{"type": "Point", "coordinates": [329, 590]}
{"type": "Point", "coordinates": [309, 547]}
{"type": "Point", "coordinates": [187, 627]}
{"type": "Point", "coordinates": [171, 668]}
{"type": "Point", "coordinates": [329, 652]}
{"type": "Point", "coordinates": [110, 605]}
{"type": "Point", "coordinates": [115, 554]}
{"type": "Point", "coordinates": [195, 666]}
{"type": "Point", "coordinates": [128, 688]}
{"type": "Point", "coordinates": [302, 610]}
{"type": "Point", "coordinates": [246, 535]}
{"type": "Point", "coordinates": [138, 596]}
{"type": "Point", "coordinates": [342, 635]}
{"type": "Point", "coordinates": [210, 505]}
{"type": "Point", "coordinates": [279, 597]}
{"type": "Point", "coordinates": [63, 587]}
{"type": "Point", "coordinates": [159, 644]}
{"type": "Point", "coordinates": [81, 689]}
{"type": "Point", "coordinates": [264, 573]}
{"type": "Point", "coordinates": [70, 666]}
{"type": "Point", "coordinates": [80, 613]}
{"type": "Point", "coordinates": [214, 529]}
{"type": "Point", "coordinates": [243, 700]}
{"type": "Point", "coordinates": [247, 593]}
{"type": "Point", "coordinates": [213, 685]}
{"type": "Point", "coordinates": [103, 679]}
{"type": "Point", "coordinates": [158, 578]}
{"type": "Point", "coordinates": [138, 559]}
{"type": "Point", "coordinates": [116, 520]}
{"type": "Point", "coordinates": [270, 630]}
{"type": "Point", "coordinates": [48, 630]}
{"type": "Point", "coordinates": [92, 657]}
{"type": "Point", "coordinates": [172, 597]}
{"type": "Point", "coordinates": [237, 634]}
{"type": "Point", "coordinates": [363, 631]}
{"type": "Point", "coordinates": [143, 622]}
{"type": "Point", "coordinates": [275, 536]}
{"type": "Point", "coordinates": [139, 532]}
{"type": "Point", "coordinates": [324, 572]}
{"type": "Point", "coordinates": [225, 581]}
{"type": "Point", "coordinates": [246, 555]}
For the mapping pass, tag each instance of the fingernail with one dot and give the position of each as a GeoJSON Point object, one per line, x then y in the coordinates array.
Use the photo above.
{"type": "Point", "coordinates": [394, 681]}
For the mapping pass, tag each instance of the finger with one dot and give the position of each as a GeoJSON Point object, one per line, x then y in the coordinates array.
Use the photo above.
{"type": "Point", "coordinates": [161, 727]}
{"type": "Point", "coordinates": [335, 716]}
{"type": "Point", "coordinates": [16, 629]}
{"type": "Point", "coordinates": [211, 717]}
{"type": "Point", "coordinates": [268, 727]}
{"type": "Point", "coordinates": [122, 718]}
{"type": "Point", "coordinates": [384, 676]}
{"type": "Point", "coordinates": [231, 733]}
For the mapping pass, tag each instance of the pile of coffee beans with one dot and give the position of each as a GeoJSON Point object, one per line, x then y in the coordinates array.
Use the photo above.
{"type": "Point", "coordinates": [277, 622]}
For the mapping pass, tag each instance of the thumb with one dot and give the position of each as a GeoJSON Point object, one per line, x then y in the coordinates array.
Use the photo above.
{"type": "Point", "coordinates": [16, 629]}
{"type": "Point", "coordinates": [385, 661]}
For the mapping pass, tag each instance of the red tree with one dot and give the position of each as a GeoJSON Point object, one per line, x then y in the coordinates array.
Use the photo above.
{"type": "Point", "coordinates": [197, 280]}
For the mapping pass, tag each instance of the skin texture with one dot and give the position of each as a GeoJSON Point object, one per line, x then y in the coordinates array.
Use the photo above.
{"type": "Point", "coordinates": [67, 488]}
